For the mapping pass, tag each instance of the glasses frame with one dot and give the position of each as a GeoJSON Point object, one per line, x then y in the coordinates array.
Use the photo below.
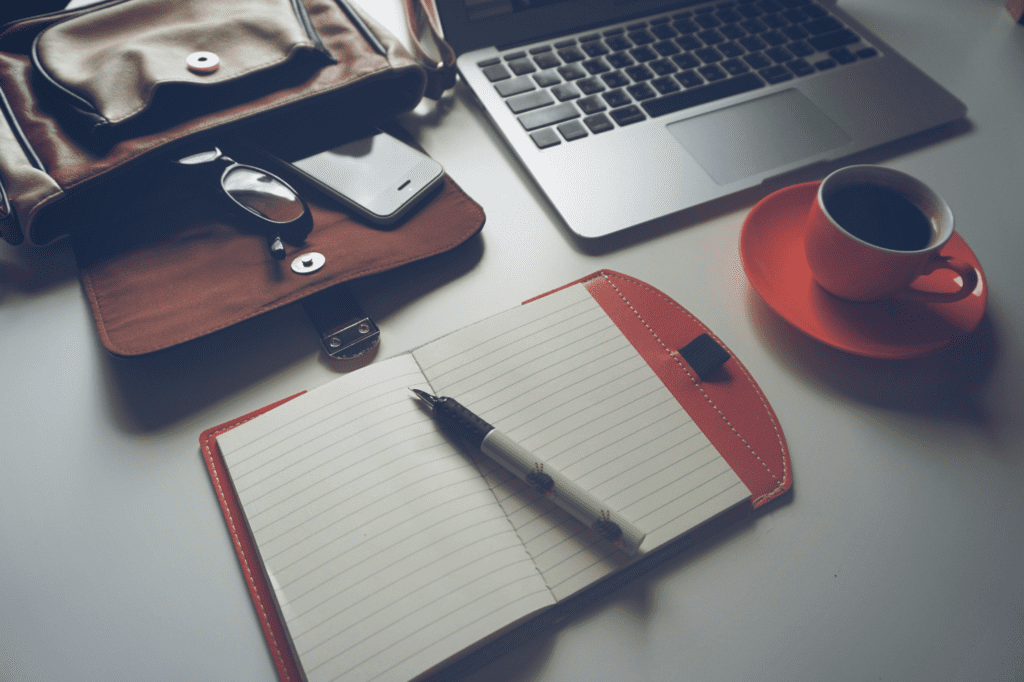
{"type": "Point", "coordinates": [292, 231]}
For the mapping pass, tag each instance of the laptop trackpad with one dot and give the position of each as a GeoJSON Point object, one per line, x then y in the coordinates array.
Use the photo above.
{"type": "Point", "coordinates": [757, 136]}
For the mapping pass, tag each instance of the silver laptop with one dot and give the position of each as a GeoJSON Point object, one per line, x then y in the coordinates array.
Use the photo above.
{"type": "Point", "coordinates": [625, 111]}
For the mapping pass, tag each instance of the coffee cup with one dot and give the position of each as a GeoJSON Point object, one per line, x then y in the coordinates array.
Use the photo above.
{"type": "Point", "coordinates": [872, 231]}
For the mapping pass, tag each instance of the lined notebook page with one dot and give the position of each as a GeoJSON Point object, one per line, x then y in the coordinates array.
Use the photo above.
{"type": "Point", "coordinates": [384, 546]}
{"type": "Point", "coordinates": [559, 377]}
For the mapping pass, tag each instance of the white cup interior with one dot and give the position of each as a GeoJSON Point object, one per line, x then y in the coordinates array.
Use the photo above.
{"type": "Point", "coordinates": [930, 203]}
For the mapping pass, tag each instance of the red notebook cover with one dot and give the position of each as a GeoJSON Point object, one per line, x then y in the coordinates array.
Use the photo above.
{"type": "Point", "coordinates": [727, 404]}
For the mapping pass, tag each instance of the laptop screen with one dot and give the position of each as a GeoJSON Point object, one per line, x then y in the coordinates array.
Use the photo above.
{"type": "Point", "coordinates": [471, 24]}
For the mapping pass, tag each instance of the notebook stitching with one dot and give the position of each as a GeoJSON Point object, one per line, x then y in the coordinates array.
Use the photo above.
{"type": "Point", "coordinates": [676, 359]}
{"type": "Point", "coordinates": [207, 450]}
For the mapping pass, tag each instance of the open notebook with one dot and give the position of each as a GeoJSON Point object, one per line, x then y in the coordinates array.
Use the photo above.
{"type": "Point", "coordinates": [390, 550]}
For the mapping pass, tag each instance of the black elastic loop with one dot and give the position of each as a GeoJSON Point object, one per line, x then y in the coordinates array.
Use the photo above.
{"type": "Point", "coordinates": [704, 355]}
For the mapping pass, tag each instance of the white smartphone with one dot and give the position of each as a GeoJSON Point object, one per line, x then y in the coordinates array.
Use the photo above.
{"type": "Point", "coordinates": [379, 177]}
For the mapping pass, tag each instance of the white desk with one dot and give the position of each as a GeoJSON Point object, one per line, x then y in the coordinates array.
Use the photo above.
{"type": "Point", "coordinates": [899, 557]}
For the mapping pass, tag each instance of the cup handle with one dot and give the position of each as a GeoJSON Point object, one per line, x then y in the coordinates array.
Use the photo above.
{"type": "Point", "coordinates": [968, 276]}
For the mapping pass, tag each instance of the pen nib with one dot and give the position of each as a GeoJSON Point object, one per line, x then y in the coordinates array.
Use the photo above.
{"type": "Point", "coordinates": [425, 397]}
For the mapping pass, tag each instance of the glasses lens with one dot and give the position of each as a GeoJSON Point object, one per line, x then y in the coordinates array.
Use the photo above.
{"type": "Point", "coordinates": [263, 194]}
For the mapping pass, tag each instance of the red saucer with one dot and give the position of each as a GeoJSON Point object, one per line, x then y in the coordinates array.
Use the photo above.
{"type": "Point", "coordinates": [772, 249]}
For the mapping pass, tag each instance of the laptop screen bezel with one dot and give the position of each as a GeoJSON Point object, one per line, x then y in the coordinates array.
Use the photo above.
{"type": "Point", "coordinates": [542, 22]}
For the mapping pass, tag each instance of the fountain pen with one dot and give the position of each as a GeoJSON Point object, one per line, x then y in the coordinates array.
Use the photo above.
{"type": "Point", "coordinates": [463, 423]}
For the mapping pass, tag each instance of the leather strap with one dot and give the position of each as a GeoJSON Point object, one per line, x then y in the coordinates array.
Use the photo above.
{"type": "Point", "coordinates": [441, 74]}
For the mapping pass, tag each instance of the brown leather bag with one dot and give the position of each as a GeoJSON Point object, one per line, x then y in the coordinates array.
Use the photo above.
{"type": "Point", "coordinates": [99, 100]}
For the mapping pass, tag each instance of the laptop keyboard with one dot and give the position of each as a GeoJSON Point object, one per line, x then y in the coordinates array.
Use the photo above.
{"type": "Point", "coordinates": [571, 88]}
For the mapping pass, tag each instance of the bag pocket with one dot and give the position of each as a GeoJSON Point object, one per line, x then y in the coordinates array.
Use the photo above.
{"type": "Point", "coordinates": [131, 67]}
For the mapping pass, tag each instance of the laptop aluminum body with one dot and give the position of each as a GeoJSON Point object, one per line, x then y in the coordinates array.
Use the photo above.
{"type": "Point", "coordinates": [606, 181]}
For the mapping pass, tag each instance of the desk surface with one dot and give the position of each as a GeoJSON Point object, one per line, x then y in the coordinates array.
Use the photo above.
{"type": "Point", "coordinates": [898, 557]}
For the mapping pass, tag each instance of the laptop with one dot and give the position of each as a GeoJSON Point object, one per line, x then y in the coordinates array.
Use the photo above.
{"type": "Point", "coordinates": [625, 111]}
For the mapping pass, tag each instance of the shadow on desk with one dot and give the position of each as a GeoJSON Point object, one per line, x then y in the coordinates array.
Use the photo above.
{"type": "Point", "coordinates": [521, 653]}
{"type": "Point", "coordinates": [947, 385]}
{"type": "Point", "coordinates": [152, 391]}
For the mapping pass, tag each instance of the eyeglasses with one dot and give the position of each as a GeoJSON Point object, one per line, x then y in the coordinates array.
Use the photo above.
{"type": "Point", "coordinates": [267, 200]}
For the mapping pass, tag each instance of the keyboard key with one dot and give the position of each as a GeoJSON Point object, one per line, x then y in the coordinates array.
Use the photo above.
{"type": "Point", "coordinates": [549, 116]}
{"type": "Point", "coordinates": [644, 54]}
{"type": "Point", "coordinates": [620, 60]}
{"type": "Point", "coordinates": [749, 11]}
{"type": "Point", "coordinates": [596, 66]}
{"type": "Point", "coordinates": [496, 73]}
{"type": "Point", "coordinates": [588, 86]}
{"type": "Point", "coordinates": [616, 98]}
{"type": "Point", "coordinates": [800, 67]}
{"type": "Point", "coordinates": [753, 26]}
{"type": "Point", "coordinates": [734, 67]}
{"type": "Point", "coordinates": [663, 32]}
{"type": "Point", "coordinates": [514, 86]}
{"type": "Point", "coordinates": [514, 55]}
{"type": "Point", "coordinates": [776, 74]}
{"type": "Point", "coordinates": [685, 26]}
{"type": "Point", "coordinates": [752, 43]}
{"type": "Point", "coordinates": [522, 66]}
{"type": "Point", "coordinates": [689, 79]}
{"type": "Point", "coordinates": [707, 21]}
{"type": "Point", "coordinates": [662, 67]}
{"type": "Point", "coordinates": [774, 21]}
{"type": "Point", "coordinates": [639, 73]}
{"type": "Point", "coordinates": [813, 11]}
{"type": "Point", "coordinates": [628, 115]}
{"type": "Point", "coordinates": [842, 55]}
{"type": "Point", "coordinates": [641, 37]}
{"type": "Point", "coordinates": [615, 80]}
{"type": "Point", "coordinates": [795, 32]}
{"type": "Point", "coordinates": [774, 38]}
{"type": "Point", "coordinates": [547, 60]}
{"type": "Point", "coordinates": [712, 73]}
{"type": "Point", "coordinates": [827, 41]}
{"type": "Point", "coordinates": [595, 48]}
{"type": "Point", "coordinates": [709, 55]}
{"type": "Point", "coordinates": [728, 15]}
{"type": "Point", "coordinates": [730, 50]}
{"type": "Point", "coordinates": [702, 95]}
{"type": "Point", "coordinates": [823, 25]}
{"type": "Point", "coordinates": [641, 91]}
{"type": "Point", "coordinates": [689, 43]}
{"type": "Point", "coordinates": [572, 130]}
{"type": "Point", "coordinates": [757, 61]}
{"type": "Point", "coordinates": [618, 43]}
{"type": "Point", "coordinates": [565, 92]}
{"type": "Point", "coordinates": [867, 53]}
{"type": "Point", "coordinates": [666, 48]}
{"type": "Point", "coordinates": [545, 138]}
{"type": "Point", "coordinates": [711, 37]}
{"type": "Point", "coordinates": [529, 101]}
{"type": "Point", "coordinates": [779, 55]}
{"type": "Point", "coordinates": [800, 48]}
{"type": "Point", "coordinates": [489, 62]}
{"type": "Point", "coordinates": [732, 31]}
{"type": "Point", "coordinates": [571, 54]}
{"type": "Point", "coordinates": [598, 123]}
{"type": "Point", "coordinates": [546, 79]}
{"type": "Point", "coordinates": [825, 64]}
{"type": "Point", "coordinates": [540, 49]}
{"type": "Point", "coordinates": [591, 105]}
{"type": "Point", "coordinates": [665, 85]}
{"type": "Point", "coordinates": [571, 72]}
{"type": "Point", "coordinates": [568, 42]}
{"type": "Point", "coordinates": [686, 61]}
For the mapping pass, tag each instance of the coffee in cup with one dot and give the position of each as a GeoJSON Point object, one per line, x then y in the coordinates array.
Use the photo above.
{"type": "Point", "coordinates": [872, 231]}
